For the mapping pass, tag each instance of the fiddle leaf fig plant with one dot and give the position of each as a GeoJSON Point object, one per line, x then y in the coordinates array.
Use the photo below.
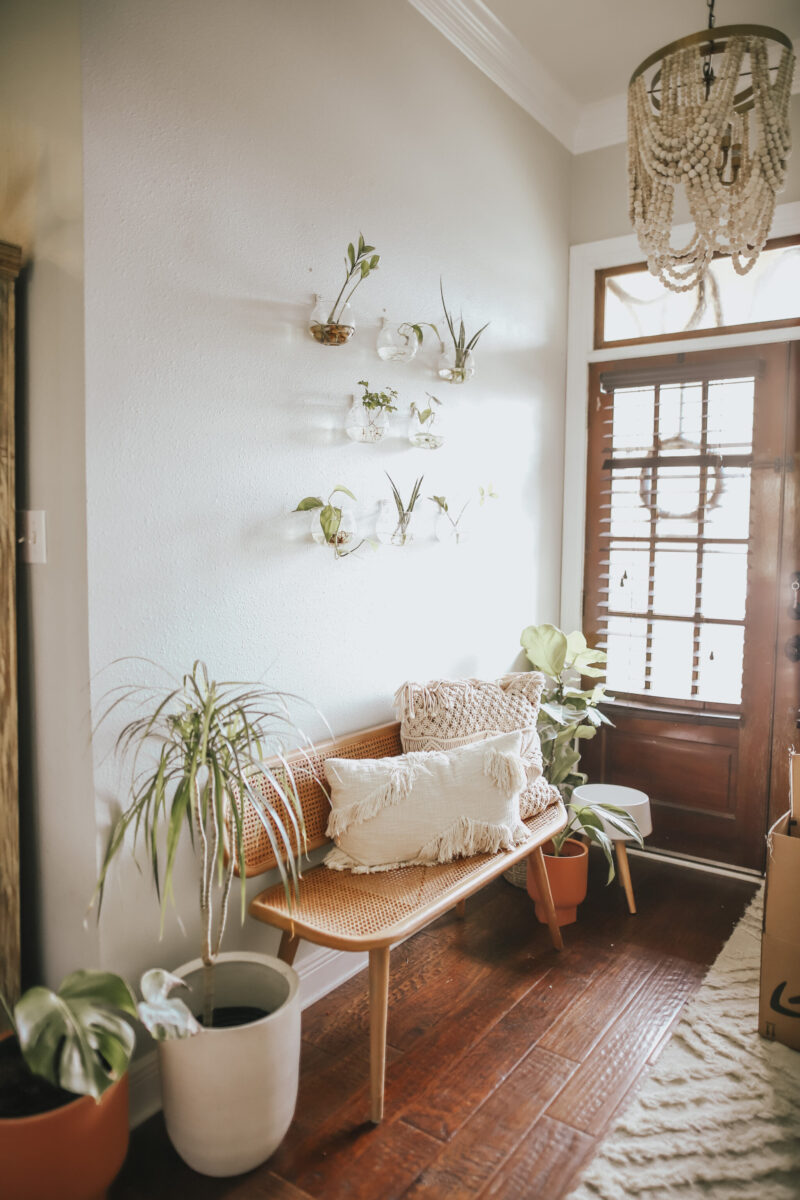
{"type": "Point", "coordinates": [330, 520]}
{"type": "Point", "coordinates": [569, 714]}
{"type": "Point", "coordinates": [76, 1038]}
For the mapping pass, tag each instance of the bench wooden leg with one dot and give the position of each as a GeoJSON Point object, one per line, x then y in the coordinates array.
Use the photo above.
{"type": "Point", "coordinates": [625, 874]}
{"type": "Point", "coordinates": [461, 909]}
{"type": "Point", "coordinates": [288, 947]}
{"type": "Point", "coordinates": [378, 1010]}
{"type": "Point", "coordinates": [546, 896]}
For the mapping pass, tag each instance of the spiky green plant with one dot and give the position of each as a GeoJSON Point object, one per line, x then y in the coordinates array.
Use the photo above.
{"type": "Point", "coordinates": [461, 345]}
{"type": "Point", "coordinates": [404, 511]}
{"type": "Point", "coordinates": [210, 741]}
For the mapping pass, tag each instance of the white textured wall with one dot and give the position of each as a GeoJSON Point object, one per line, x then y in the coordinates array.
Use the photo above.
{"type": "Point", "coordinates": [231, 151]}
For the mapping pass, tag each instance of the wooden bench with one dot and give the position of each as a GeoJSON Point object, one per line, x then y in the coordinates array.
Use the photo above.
{"type": "Point", "coordinates": [372, 912]}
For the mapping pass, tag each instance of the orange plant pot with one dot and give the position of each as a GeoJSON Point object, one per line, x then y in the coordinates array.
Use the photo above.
{"type": "Point", "coordinates": [70, 1153]}
{"type": "Point", "coordinates": [568, 874]}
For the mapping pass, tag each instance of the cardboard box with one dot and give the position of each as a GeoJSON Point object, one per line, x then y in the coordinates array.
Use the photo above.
{"type": "Point", "coordinates": [779, 1002]}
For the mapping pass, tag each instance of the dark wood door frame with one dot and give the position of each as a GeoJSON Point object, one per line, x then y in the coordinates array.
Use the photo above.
{"type": "Point", "coordinates": [722, 774]}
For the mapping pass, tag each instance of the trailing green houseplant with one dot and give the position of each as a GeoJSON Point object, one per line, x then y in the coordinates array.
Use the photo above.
{"type": "Point", "coordinates": [336, 526]}
{"type": "Point", "coordinates": [456, 366]}
{"type": "Point", "coordinates": [332, 325]}
{"type": "Point", "coordinates": [568, 715]}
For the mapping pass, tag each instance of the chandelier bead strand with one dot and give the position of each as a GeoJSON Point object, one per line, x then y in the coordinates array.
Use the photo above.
{"type": "Point", "coordinates": [731, 172]}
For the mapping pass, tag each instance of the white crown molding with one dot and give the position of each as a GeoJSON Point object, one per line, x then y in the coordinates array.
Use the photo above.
{"type": "Point", "coordinates": [474, 30]}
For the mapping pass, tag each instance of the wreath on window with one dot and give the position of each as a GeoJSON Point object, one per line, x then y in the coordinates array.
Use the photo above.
{"type": "Point", "coordinates": [715, 482]}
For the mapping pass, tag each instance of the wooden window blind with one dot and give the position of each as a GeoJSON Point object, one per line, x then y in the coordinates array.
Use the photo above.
{"type": "Point", "coordinates": [670, 456]}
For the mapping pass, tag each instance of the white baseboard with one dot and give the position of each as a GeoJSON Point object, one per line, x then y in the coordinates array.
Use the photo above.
{"type": "Point", "coordinates": [321, 970]}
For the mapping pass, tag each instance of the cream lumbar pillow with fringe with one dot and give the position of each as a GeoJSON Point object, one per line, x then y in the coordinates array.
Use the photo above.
{"type": "Point", "coordinates": [446, 713]}
{"type": "Point", "coordinates": [426, 807]}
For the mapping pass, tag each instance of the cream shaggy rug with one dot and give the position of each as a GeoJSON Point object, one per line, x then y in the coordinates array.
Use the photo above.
{"type": "Point", "coordinates": [719, 1114]}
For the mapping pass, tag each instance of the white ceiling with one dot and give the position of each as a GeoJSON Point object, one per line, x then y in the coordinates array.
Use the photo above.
{"type": "Point", "coordinates": [568, 62]}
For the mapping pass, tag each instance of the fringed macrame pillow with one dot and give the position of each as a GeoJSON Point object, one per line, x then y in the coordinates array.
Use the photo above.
{"type": "Point", "coordinates": [446, 713]}
{"type": "Point", "coordinates": [425, 808]}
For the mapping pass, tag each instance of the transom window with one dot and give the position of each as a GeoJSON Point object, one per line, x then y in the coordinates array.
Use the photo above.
{"type": "Point", "coordinates": [631, 305]}
{"type": "Point", "coordinates": [673, 528]}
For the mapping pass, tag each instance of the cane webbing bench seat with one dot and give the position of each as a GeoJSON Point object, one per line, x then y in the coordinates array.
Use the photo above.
{"type": "Point", "coordinates": [347, 911]}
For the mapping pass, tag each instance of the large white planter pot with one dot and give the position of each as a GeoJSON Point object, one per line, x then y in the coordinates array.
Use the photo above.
{"type": "Point", "coordinates": [229, 1094]}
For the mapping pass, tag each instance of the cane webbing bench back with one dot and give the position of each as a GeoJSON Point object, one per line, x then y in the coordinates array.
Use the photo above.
{"type": "Point", "coordinates": [361, 912]}
{"type": "Point", "coordinates": [309, 775]}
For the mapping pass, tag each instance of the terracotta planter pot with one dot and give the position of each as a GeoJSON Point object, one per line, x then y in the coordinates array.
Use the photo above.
{"type": "Point", "coordinates": [568, 874]}
{"type": "Point", "coordinates": [72, 1153]}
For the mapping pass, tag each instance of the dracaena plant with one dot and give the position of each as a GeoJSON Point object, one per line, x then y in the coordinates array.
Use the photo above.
{"type": "Point", "coordinates": [358, 264]}
{"type": "Point", "coordinates": [206, 746]}
{"type": "Point", "coordinates": [462, 345]}
{"type": "Point", "coordinates": [330, 520]}
{"type": "Point", "coordinates": [569, 714]}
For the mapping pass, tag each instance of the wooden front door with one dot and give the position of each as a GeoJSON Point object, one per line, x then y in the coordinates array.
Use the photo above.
{"type": "Point", "coordinates": [692, 547]}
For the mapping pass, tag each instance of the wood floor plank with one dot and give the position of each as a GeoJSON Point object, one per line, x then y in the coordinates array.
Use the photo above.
{"type": "Point", "coordinates": [455, 1093]}
{"type": "Point", "coordinates": [471, 996]}
{"type": "Point", "coordinates": [481, 1146]}
{"type": "Point", "coordinates": [368, 1161]}
{"type": "Point", "coordinates": [575, 1031]}
{"type": "Point", "coordinates": [603, 1078]}
{"type": "Point", "coordinates": [544, 1166]}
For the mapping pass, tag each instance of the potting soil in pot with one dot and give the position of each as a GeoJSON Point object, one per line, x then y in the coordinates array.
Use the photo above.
{"type": "Point", "coordinates": [23, 1094]}
{"type": "Point", "coordinates": [235, 1014]}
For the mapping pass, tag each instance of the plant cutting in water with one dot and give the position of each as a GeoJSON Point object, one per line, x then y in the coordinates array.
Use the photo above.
{"type": "Point", "coordinates": [368, 418]}
{"type": "Point", "coordinates": [399, 343]}
{"type": "Point", "coordinates": [569, 714]}
{"type": "Point", "coordinates": [358, 264]}
{"type": "Point", "coordinates": [460, 369]}
{"type": "Point", "coordinates": [334, 529]}
{"type": "Point", "coordinates": [453, 523]}
{"type": "Point", "coordinates": [402, 532]}
{"type": "Point", "coordinates": [422, 434]}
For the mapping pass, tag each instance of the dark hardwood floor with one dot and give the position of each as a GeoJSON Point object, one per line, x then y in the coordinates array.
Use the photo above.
{"type": "Point", "coordinates": [506, 1060]}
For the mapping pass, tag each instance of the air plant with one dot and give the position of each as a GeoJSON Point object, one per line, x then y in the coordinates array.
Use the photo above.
{"type": "Point", "coordinates": [460, 370]}
{"type": "Point", "coordinates": [333, 530]}
{"type": "Point", "coordinates": [402, 533]}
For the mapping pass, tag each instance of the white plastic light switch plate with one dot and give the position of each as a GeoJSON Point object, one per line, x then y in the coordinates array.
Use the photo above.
{"type": "Point", "coordinates": [31, 536]}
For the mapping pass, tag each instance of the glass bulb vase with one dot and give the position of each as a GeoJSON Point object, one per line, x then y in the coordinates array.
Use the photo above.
{"type": "Point", "coordinates": [329, 328]}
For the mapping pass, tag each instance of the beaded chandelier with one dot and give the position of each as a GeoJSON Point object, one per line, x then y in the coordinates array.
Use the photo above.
{"type": "Point", "coordinates": [688, 124]}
